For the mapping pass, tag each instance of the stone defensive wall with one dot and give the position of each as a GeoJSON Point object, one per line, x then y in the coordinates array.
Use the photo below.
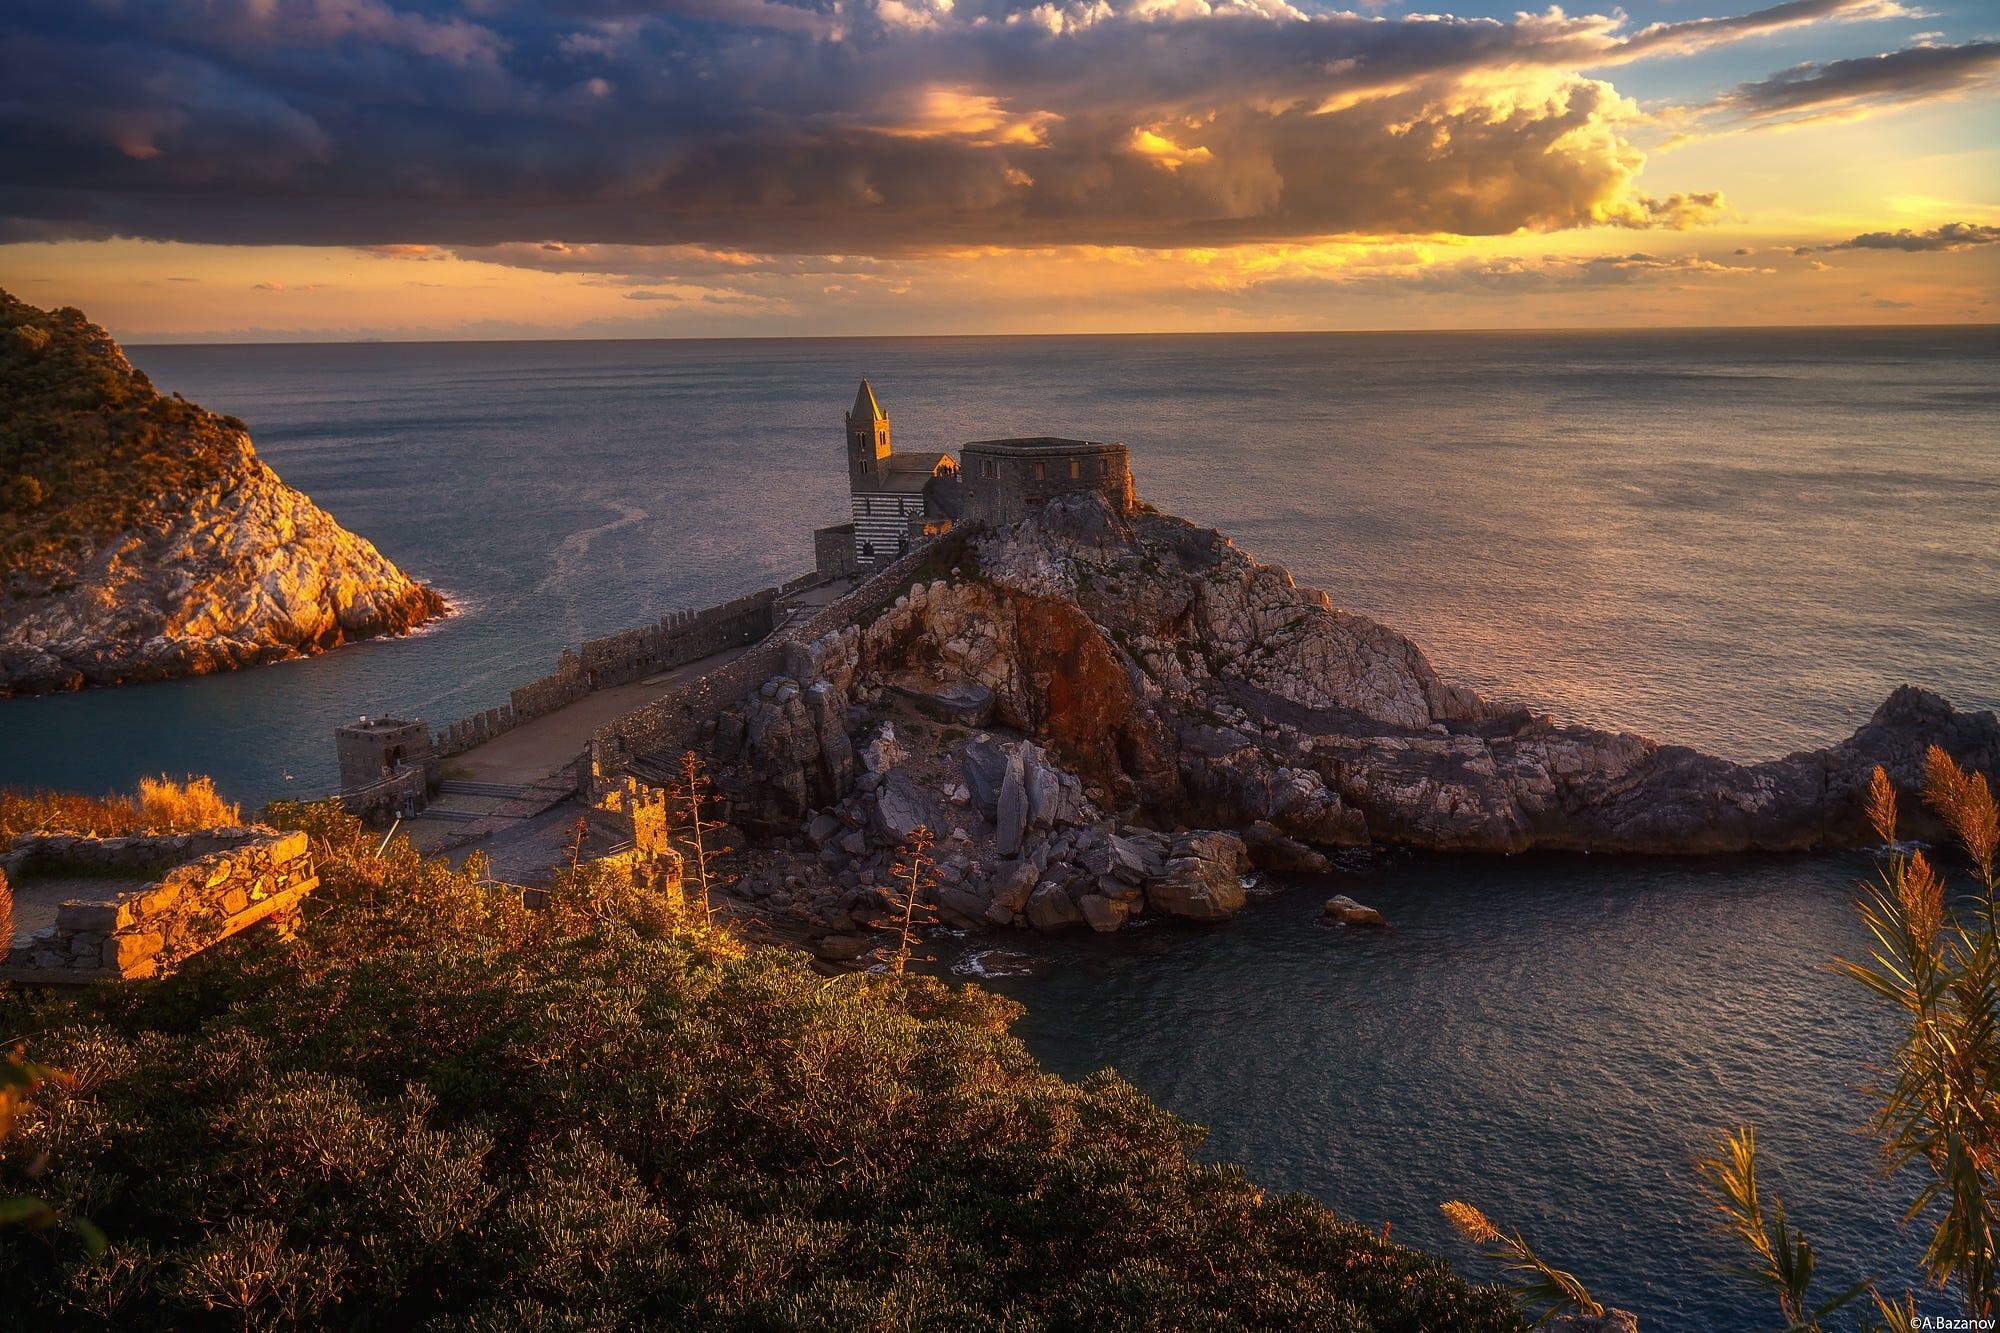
{"type": "Point", "coordinates": [137, 906]}
{"type": "Point", "coordinates": [677, 638]}
{"type": "Point", "coordinates": [670, 724]}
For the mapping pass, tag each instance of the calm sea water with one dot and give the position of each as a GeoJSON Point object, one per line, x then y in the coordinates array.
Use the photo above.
{"type": "Point", "coordinates": [1742, 540]}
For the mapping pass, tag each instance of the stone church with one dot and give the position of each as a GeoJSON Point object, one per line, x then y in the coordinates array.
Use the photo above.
{"type": "Point", "coordinates": [897, 498]}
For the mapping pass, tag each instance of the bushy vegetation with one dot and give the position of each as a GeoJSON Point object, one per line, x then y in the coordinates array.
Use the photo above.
{"type": "Point", "coordinates": [438, 1109]}
{"type": "Point", "coordinates": [87, 446]}
{"type": "Point", "coordinates": [162, 805]}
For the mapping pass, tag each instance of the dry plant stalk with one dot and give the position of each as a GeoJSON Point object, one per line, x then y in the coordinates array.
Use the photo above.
{"type": "Point", "coordinates": [1882, 805]}
{"type": "Point", "coordinates": [694, 795]}
{"type": "Point", "coordinates": [1533, 1280]}
{"type": "Point", "coordinates": [184, 806]}
{"type": "Point", "coordinates": [1965, 802]}
{"type": "Point", "coordinates": [1784, 1257]}
{"type": "Point", "coordinates": [915, 877]}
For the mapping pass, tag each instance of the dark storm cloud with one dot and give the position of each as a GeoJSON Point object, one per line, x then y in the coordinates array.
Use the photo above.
{"type": "Point", "coordinates": [868, 127]}
{"type": "Point", "coordinates": [1951, 236]}
{"type": "Point", "coordinates": [1915, 74]}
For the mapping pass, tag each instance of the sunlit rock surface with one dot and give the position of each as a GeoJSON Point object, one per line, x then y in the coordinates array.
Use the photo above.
{"type": "Point", "coordinates": [216, 565]}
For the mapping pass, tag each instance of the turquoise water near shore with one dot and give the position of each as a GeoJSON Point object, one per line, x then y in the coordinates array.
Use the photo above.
{"type": "Point", "coordinates": [1741, 540]}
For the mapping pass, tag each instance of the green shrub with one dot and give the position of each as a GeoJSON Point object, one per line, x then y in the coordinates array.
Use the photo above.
{"type": "Point", "coordinates": [439, 1110]}
{"type": "Point", "coordinates": [90, 449]}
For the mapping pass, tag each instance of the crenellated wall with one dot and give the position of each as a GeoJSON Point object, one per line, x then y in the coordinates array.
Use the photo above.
{"type": "Point", "coordinates": [677, 638]}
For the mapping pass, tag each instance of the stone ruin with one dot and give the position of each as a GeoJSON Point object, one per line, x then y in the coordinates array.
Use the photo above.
{"type": "Point", "coordinates": [92, 909]}
{"type": "Point", "coordinates": [633, 819]}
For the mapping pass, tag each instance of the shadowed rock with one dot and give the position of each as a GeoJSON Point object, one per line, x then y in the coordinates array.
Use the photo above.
{"type": "Point", "coordinates": [1174, 673]}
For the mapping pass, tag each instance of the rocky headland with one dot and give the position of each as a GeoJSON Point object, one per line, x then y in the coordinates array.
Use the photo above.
{"type": "Point", "coordinates": [1109, 716]}
{"type": "Point", "coordinates": [141, 537]}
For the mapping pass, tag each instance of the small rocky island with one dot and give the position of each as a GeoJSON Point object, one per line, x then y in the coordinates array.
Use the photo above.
{"type": "Point", "coordinates": [1109, 715]}
{"type": "Point", "coordinates": [1105, 715]}
{"type": "Point", "coordinates": [141, 538]}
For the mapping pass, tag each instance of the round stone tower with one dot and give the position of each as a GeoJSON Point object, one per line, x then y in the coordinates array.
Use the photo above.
{"type": "Point", "coordinates": [1006, 480]}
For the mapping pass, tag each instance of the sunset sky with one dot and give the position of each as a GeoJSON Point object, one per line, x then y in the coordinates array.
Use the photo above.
{"type": "Point", "coordinates": [303, 169]}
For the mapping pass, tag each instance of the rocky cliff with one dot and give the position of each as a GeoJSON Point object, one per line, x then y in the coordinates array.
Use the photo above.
{"type": "Point", "coordinates": [142, 538]}
{"type": "Point", "coordinates": [1069, 703]}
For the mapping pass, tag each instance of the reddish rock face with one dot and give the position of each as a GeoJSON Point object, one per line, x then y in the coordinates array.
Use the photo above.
{"type": "Point", "coordinates": [1089, 711]}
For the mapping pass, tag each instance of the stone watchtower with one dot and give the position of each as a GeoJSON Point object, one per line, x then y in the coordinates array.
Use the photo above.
{"type": "Point", "coordinates": [868, 448]}
{"type": "Point", "coordinates": [1005, 480]}
{"type": "Point", "coordinates": [373, 748]}
{"type": "Point", "coordinates": [386, 765]}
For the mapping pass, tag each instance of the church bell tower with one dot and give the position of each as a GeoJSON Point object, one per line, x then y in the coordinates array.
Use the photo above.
{"type": "Point", "coordinates": [867, 439]}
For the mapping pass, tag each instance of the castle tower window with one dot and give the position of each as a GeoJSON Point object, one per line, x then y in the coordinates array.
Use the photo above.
{"type": "Point", "coordinates": [1041, 471]}
{"type": "Point", "coordinates": [989, 469]}
{"type": "Point", "coordinates": [1075, 469]}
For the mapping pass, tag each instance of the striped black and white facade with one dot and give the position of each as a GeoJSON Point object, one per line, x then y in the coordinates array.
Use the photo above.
{"type": "Point", "coordinates": [882, 524]}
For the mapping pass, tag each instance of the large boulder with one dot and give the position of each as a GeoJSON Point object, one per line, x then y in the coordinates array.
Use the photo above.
{"type": "Point", "coordinates": [1051, 908]}
{"type": "Point", "coordinates": [1343, 910]}
{"type": "Point", "coordinates": [1203, 880]}
{"type": "Point", "coordinates": [900, 806]}
{"type": "Point", "coordinates": [1103, 914]}
{"type": "Point", "coordinates": [1272, 850]}
{"type": "Point", "coordinates": [1010, 817]}
{"type": "Point", "coordinates": [1012, 883]}
{"type": "Point", "coordinates": [960, 906]}
{"type": "Point", "coordinates": [985, 766]}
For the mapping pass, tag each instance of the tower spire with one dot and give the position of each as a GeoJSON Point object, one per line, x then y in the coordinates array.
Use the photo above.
{"type": "Point", "coordinates": [866, 409]}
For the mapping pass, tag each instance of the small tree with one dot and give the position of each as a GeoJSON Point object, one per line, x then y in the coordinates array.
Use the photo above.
{"type": "Point", "coordinates": [692, 799]}
{"type": "Point", "coordinates": [913, 882]}
{"type": "Point", "coordinates": [1938, 1095]}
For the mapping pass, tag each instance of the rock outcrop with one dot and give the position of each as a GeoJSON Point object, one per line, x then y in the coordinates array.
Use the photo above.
{"type": "Point", "coordinates": [143, 537]}
{"type": "Point", "coordinates": [1174, 673]}
{"type": "Point", "coordinates": [1162, 717]}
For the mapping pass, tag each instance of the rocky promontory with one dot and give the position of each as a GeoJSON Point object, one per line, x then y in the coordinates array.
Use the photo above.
{"type": "Point", "coordinates": [1106, 716]}
{"type": "Point", "coordinates": [141, 537]}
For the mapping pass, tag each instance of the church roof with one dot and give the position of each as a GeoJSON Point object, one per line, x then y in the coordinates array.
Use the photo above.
{"type": "Point", "coordinates": [924, 461]}
{"type": "Point", "coordinates": [905, 482]}
{"type": "Point", "coordinates": [865, 406]}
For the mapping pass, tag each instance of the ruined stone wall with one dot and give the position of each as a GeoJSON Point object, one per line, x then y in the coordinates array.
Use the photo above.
{"type": "Point", "coordinates": [1006, 480]}
{"type": "Point", "coordinates": [403, 792]}
{"type": "Point", "coordinates": [833, 552]}
{"type": "Point", "coordinates": [631, 812]}
{"type": "Point", "coordinates": [209, 885]}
